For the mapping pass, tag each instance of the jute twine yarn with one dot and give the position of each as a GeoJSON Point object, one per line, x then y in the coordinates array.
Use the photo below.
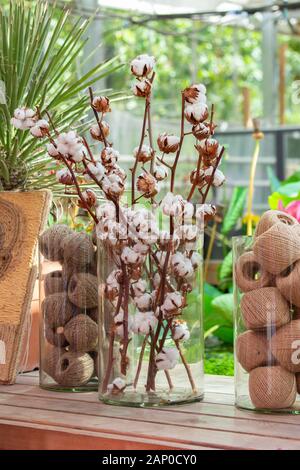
{"type": "Point", "coordinates": [81, 333]}
{"type": "Point", "coordinates": [288, 282]}
{"type": "Point", "coordinates": [51, 359]}
{"type": "Point", "coordinates": [252, 350]}
{"type": "Point", "coordinates": [272, 387]}
{"type": "Point", "coordinates": [249, 273]}
{"type": "Point", "coordinates": [272, 217]}
{"type": "Point", "coordinates": [74, 369]}
{"type": "Point", "coordinates": [53, 283]}
{"type": "Point", "coordinates": [83, 290]}
{"type": "Point", "coordinates": [265, 307]}
{"type": "Point", "coordinates": [285, 346]}
{"type": "Point", "coordinates": [278, 248]}
{"type": "Point", "coordinates": [78, 250]}
{"type": "Point", "coordinates": [51, 242]}
{"type": "Point", "coordinates": [55, 336]}
{"type": "Point", "coordinates": [57, 310]}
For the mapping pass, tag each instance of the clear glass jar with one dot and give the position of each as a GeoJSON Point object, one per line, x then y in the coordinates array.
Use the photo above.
{"type": "Point", "coordinates": [68, 303]}
{"type": "Point", "coordinates": [150, 323]}
{"type": "Point", "coordinates": [267, 321]}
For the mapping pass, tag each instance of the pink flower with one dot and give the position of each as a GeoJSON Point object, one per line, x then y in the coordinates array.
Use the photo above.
{"type": "Point", "coordinates": [293, 208]}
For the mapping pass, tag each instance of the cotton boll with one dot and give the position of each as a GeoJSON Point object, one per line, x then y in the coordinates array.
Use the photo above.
{"type": "Point", "coordinates": [173, 304]}
{"type": "Point", "coordinates": [117, 386]}
{"type": "Point", "coordinates": [144, 322]}
{"type": "Point", "coordinates": [40, 129]}
{"type": "Point", "coordinates": [145, 154]}
{"type": "Point", "coordinates": [147, 185]}
{"type": "Point", "coordinates": [24, 118]}
{"type": "Point", "coordinates": [142, 65]}
{"type": "Point", "coordinates": [113, 185]}
{"type": "Point", "coordinates": [172, 205]}
{"type": "Point", "coordinates": [109, 156]}
{"type": "Point", "coordinates": [168, 143]}
{"type": "Point", "coordinates": [106, 211]}
{"type": "Point", "coordinates": [196, 260]}
{"type": "Point", "coordinates": [96, 169]}
{"type": "Point", "coordinates": [139, 287]}
{"type": "Point", "coordinates": [129, 256]}
{"type": "Point", "coordinates": [64, 176]}
{"type": "Point", "coordinates": [167, 358]}
{"type": "Point", "coordinates": [141, 88]}
{"type": "Point", "coordinates": [160, 173]}
{"type": "Point", "coordinates": [195, 94]}
{"type": "Point", "coordinates": [52, 150]}
{"type": "Point", "coordinates": [180, 332]}
{"type": "Point", "coordinates": [182, 266]}
{"type": "Point", "coordinates": [218, 178]}
{"type": "Point", "coordinates": [144, 302]}
{"type": "Point", "coordinates": [101, 104]}
{"type": "Point", "coordinates": [167, 242]}
{"type": "Point", "coordinates": [196, 113]}
{"type": "Point", "coordinates": [95, 132]}
{"type": "Point", "coordinates": [205, 211]}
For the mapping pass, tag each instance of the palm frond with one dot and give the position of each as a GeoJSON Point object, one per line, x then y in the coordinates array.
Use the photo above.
{"type": "Point", "coordinates": [39, 52]}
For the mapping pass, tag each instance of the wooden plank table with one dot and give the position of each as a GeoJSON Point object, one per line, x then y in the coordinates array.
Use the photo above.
{"type": "Point", "coordinates": [31, 418]}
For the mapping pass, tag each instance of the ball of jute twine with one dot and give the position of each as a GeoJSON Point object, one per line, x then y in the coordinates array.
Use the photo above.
{"type": "Point", "coordinates": [74, 369]}
{"type": "Point", "coordinates": [253, 350]}
{"type": "Point", "coordinates": [285, 346]}
{"type": "Point", "coordinates": [288, 282]}
{"type": "Point", "coordinates": [51, 241]}
{"type": "Point", "coordinates": [50, 359]}
{"type": "Point", "coordinates": [272, 388]}
{"type": "Point", "coordinates": [250, 274]}
{"type": "Point", "coordinates": [83, 290]}
{"type": "Point", "coordinates": [57, 309]}
{"type": "Point", "coordinates": [78, 250]}
{"type": "Point", "coordinates": [278, 248]}
{"type": "Point", "coordinates": [53, 283]}
{"type": "Point", "coordinates": [55, 336]}
{"type": "Point", "coordinates": [263, 308]}
{"type": "Point", "coordinates": [81, 333]}
{"type": "Point", "coordinates": [273, 217]}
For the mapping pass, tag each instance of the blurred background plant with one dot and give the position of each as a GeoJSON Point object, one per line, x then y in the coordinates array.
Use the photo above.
{"type": "Point", "coordinates": [41, 63]}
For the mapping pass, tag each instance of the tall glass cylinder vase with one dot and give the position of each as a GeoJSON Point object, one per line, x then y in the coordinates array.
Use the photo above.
{"type": "Point", "coordinates": [150, 313]}
{"type": "Point", "coordinates": [267, 321]}
{"type": "Point", "coordinates": [68, 302]}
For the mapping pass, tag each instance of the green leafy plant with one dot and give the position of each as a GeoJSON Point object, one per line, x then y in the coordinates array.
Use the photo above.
{"type": "Point", "coordinates": [232, 216]}
{"type": "Point", "coordinates": [285, 191]}
{"type": "Point", "coordinates": [39, 52]}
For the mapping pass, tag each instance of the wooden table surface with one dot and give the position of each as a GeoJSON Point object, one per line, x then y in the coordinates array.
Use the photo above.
{"type": "Point", "coordinates": [31, 418]}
